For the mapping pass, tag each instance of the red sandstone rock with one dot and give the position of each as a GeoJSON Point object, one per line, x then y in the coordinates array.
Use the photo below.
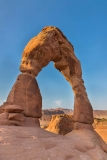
{"type": "Point", "coordinates": [4, 116]}
{"type": "Point", "coordinates": [34, 143]}
{"type": "Point", "coordinates": [32, 122]}
{"type": "Point", "coordinates": [28, 122]}
{"type": "Point", "coordinates": [3, 105]}
{"type": "Point", "coordinates": [78, 126]}
{"type": "Point", "coordinates": [13, 109]}
{"type": "Point", "coordinates": [51, 45]}
{"type": "Point", "coordinates": [17, 117]}
{"type": "Point", "coordinates": [26, 93]}
{"type": "Point", "coordinates": [61, 124]}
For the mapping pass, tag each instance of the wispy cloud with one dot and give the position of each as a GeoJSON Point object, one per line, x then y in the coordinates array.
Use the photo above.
{"type": "Point", "coordinates": [58, 103]}
{"type": "Point", "coordinates": [1, 101]}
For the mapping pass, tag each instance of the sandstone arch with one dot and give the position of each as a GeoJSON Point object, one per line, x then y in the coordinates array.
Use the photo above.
{"type": "Point", "coordinates": [49, 45]}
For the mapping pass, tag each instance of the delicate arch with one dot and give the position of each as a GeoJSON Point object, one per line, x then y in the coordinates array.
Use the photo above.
{"type": "Point", "coordinates": [51, 45]}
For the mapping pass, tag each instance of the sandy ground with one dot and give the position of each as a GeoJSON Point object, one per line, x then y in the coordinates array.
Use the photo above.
{"type": "Point", "coordinates": [102, 133]}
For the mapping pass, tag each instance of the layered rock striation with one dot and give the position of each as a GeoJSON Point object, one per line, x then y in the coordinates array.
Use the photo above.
{"type": "Point", "coordinates": [14, 115]}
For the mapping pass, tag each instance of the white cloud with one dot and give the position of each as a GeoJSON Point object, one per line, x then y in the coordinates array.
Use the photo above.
{"type": "Point", "coordinates": [58, 103]}
{"type": "Point", "coordinates": [1, 101]}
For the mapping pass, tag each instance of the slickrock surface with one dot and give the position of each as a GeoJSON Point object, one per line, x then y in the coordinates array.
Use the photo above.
{"type": "Point", "coordinates": [34, 143]}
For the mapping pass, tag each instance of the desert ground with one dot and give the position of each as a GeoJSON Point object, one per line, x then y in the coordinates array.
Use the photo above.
{"type": "Point", "coordinates": [100, 125]}
{"type": "Point", "coordinates": [102, 133]}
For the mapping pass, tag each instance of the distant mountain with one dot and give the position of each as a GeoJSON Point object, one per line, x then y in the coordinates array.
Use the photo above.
{"type": "Point", "coordinates": [100, 114]}
{"type": "Point", "coordinates": [47, 113]}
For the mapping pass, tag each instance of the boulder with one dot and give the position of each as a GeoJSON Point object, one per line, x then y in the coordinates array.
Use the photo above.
{"type": "Point", "coordinates": [60, 124]}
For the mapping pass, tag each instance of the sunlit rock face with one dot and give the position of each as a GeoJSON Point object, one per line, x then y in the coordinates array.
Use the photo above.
{"type": "Point", "coordinates": [51, 45]}
{"type": "Point", "coordinates": [24, 103]}
{"type": "Point", "coordinates": [26, 94]}
{"type": "Point", "coordinates": [60, 124]}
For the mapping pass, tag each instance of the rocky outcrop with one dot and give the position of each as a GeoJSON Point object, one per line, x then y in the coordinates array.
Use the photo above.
{"type": "Point", "coordinates": [51, 45]}
{"type": "Point", "coordinates": [13, 109]}
{"type": "Point", "coordinates": [13, 115]}
{"type": "Point", "coordinates": [26, 94]}
{"type": "Point", "coordinates": [25, 104]}
{"type": "Point", "coordinates": [61, 124]}
{"type": "Point", "coordinates": [3, 105]}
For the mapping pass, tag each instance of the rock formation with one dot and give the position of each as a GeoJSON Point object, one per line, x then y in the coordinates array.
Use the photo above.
{"type": "Point", "coordinates": [14, 115]}
{"type": "Point", "coordinates": [61, 124]}
{"type": "Point", "coordinates": [24, 103]}
{"type": "Point", "coordinates": [51, 45]}
{"type": "Point", "coordinates": [26, 93]}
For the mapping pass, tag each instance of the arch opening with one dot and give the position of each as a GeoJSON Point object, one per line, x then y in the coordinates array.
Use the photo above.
{"type": "Point", "coordinates": [50, 45]}
{"type": "Point", "coordinates": [55, 90]}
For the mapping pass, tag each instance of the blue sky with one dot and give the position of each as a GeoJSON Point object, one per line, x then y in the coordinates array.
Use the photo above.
{"type": "Point", "coordinates": [83, 22]}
